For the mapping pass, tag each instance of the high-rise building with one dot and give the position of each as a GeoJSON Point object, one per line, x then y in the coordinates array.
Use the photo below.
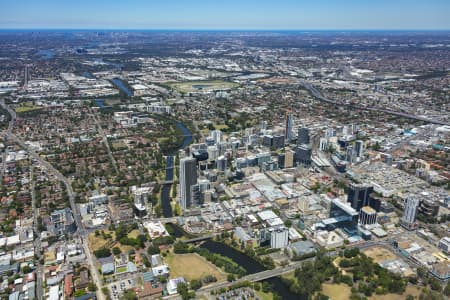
{"type": "Point", "coordinates": [278, 141]}
{"type": "Point", "coordinates": [140, 199]}
{"type": "Point", "coordinates": [222, 163]}
{"type": "Point", "coordinates": [358, 195]}
{"type": "Point", "coordinates": [279, 238]}
{"type": "Point", "coordinates": [303, 154]}
{"type": "Point", "coordinates": [323, 144]}
{"type": "Point", "coordinates": [349, 154]}
{"type": "Point", "coordinates": [410, 213]}
{"type": "Point", "coordinates": [188, 178]}
{"type": "Point", "coordinates": [289, 158]}
{"type": "Point", "coordinates": [359, 147]}
{"type": "Point", "coordinates": [288, 134]}
{"type": "Point", "coordinates": [367, 216]}
{"type": "Point", "coordinates": [303, 136]}
{"type": "Point", "coordinates": [217, 136]}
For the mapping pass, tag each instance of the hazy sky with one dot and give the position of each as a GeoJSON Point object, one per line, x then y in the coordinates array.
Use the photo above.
{"type": "Point", "coordinates": [226, 14]}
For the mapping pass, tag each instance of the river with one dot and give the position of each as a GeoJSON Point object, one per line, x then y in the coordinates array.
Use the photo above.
{"type": "Point", "coordinates": [165, 192]}
{"type": "Point", "coordinates": [251, 266]}
{"type": "Point", "coordinates": [121, 86]}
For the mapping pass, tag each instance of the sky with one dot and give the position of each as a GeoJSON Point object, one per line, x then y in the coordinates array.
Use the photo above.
{"type": "Point", "coordinates": [226, 14]}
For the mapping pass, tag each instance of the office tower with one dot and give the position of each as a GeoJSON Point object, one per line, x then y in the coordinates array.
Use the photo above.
{"type": "Point", "coordinates": [349, 154]}
{"type": "Point", "coordinates": [330, 132]}
{"type": "Point", "coordinates": [27, 77]}
{"type": "Point", "coordinates": [222, 163]}
{"type": "Point", "coordinates": [289, 158]}
{"type": "Point", "coordinates": [410, 213]}
{"type": "Point", "coordinates": [303, 136]}
{"type": "Point", "coordinates": [188, 178]}
{"type": "Point", "coordinates": [267, 140]}
{"type": "Point", "coordinates": [289, 126]}
{"type": "Point", "coordinates": [323, 144]}
{"type": "Point", "coordinates": [213, 153]}
{"type": "Point", "coordinates": [281, 159]}
{"type": "Point", "coordinates": [358, 195]}
{"type": "Point", "coordinates": [263, 126]}
{"type": "Point", "coordinates": [367, 216]}
{"type": "Point", "coordinates": [359, 147]}
{"type": "Point", "coordinates": [279, 238]}
{"type": "Point", "coordinates": [278, 141]}
{"type": "Point", "coordinates": [209, 141]}
{"type": "Point", "coordinates": [303, 154]}
{"type": "Point", "coordinates": [217, 136]}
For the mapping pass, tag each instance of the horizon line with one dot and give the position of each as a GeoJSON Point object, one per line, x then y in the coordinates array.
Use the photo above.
{"type": "Point", "coordinates": [222, 29]}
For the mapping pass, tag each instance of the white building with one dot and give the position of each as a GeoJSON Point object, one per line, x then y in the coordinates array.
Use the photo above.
{"type": "Point", "coordinates": [444, 244]}
{"type": "Point", "coordinates": [410, 213]}
{"type": "Point", "coordinates": [367, 216]}
{"type": "Point", "coordinates": [279, 238]}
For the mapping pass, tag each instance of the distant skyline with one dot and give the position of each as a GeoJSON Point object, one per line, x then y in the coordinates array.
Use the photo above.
{"type": "Point", "coordinates": [226, 14]}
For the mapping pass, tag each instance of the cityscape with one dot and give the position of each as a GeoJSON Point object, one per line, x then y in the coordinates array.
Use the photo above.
{"type": "Point", "coordinates": [212, 162]}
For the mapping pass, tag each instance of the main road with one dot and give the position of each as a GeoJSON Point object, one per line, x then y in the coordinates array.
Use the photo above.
{"type": "Point", "coordinates": [76, 215]}
{"type": "Point", "coordinates": [319, 96]}
{"type": "Point", "coordinates": [12, 113]}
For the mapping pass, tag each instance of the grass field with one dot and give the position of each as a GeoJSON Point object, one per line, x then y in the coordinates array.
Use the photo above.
{"type": "Point", "coordinates": [27, 108]}
{"type": "Point", "coordinates": [264, 296]}
{"type": "Point", "coordinates": [192, 266]}
{"type": "Point", "coordinates": [336, 291]}
{"type": "Point", "coordinates": [202, 86]}
{"type": "Point", "coordinates": [410, 290]}
{"type": "Point", "coordinates": [380, 254]}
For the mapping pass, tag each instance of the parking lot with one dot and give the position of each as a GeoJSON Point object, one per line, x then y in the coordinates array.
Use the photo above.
{"type": "Point", "coordinates": [117, 288]}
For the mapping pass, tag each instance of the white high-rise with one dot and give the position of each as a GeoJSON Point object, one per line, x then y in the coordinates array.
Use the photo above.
{"type": "Point", "coordinates": [410, 212]}
{"type": "Point", "coordinates": [217, 136]}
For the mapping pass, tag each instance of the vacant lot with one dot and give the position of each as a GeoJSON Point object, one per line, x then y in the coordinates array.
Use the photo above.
{"type": "Point", "coordinates": [192, 266]}
{"type": "Point", "coordinates": [336, 291]}
{"type": "Point", "coordinates": [202, 86]}
{"type": "Point", "coordinates": [380, 254]}
{"type": "Point", "coordinates": [97, 242]}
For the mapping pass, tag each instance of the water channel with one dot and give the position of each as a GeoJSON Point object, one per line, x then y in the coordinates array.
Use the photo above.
{"type": "Point", "coordinates": [251, 266]}
{"type": "Point", "coordinates": [165, 191]}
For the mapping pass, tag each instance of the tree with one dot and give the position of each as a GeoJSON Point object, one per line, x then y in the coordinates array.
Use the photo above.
{"type": "Point", "coordinates": [435, 284]}
{"type": "Point", "coordinates": [102, 252]}
{"type": "Point", "coordinates": [447, 289]}
{"type": "Point", "coordinates": [116, 251]}
{"type": "Point", "coordinates": [230, 277]}
{"type": "Point", "coordinates": [129, 295]}
{"type": "Point", "coordinates": [195, 284]}
{"type": "Point", "coordinates": [152, 249]}
{"type": "Point", "coordinates": [182, 289]}
{"type": "Point", "coordinates": [92, 287]}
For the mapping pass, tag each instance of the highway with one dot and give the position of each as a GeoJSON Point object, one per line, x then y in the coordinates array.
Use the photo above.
{"type": "Point", "coordinates": [76, 215]}
{"type": "Point", "coordinates": [319, 96]}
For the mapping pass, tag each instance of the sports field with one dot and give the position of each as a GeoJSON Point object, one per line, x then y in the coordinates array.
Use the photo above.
{"type": "Point", "coordinates": [202, 86]}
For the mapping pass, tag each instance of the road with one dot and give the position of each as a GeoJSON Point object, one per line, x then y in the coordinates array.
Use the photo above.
{"type": "Point", "coordinates": [105, 141]}
{"type": "Point", "coordinates": [319, 96]}
{"type": "Point", "coordinates": [12, 113]}
{"type": "Point", "coordinates": [76, 214]}
{"type": "Point", "coordinates": [37, 240]}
